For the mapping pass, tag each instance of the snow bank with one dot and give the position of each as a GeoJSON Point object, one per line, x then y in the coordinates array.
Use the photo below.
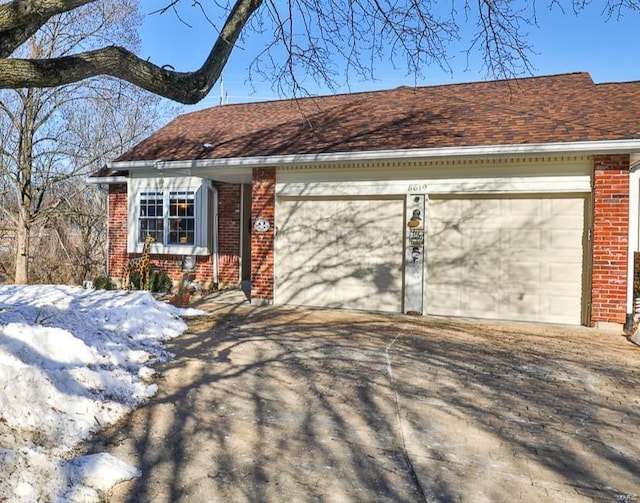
{"type": "Point", "coordinates": [71, 362]}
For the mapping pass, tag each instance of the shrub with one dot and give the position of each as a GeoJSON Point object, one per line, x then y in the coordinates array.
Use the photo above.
{"type": "Point", "coordinates": [158, 282]}
{"type": "Point", "coordinates": [134, 279]}
{"type": "Point", "coordinates": [104, 283]}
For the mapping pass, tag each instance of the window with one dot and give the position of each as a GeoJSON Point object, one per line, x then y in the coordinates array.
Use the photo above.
{"type": "Point", "coordinates": [167, 210]}
{"type": "Point", "coordinates": [151, 216]}
{"type": "Point", "coordinates": [181, 218]}
{"type": "Point", "coordinates": [176, 210]}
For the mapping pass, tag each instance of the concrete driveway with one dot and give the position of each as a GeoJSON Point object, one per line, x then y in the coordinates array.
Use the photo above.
{"type": "Point", "coordinates": [277, 404]}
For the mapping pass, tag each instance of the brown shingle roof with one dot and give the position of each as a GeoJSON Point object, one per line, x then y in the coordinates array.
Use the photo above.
{"type": "Point", "coordinates": [562, 108]}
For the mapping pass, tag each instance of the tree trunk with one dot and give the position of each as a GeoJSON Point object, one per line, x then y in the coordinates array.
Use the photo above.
{"type": "Point", "coordinates": [25, 169]}
{"type": "Point", "coordinates": [22, 255]}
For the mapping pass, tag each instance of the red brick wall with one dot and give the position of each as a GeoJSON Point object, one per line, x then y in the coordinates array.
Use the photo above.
{"type": "Point", "coordinates": [117, 233]}
{"type": "Point", "coordinates": [610, 238]}
{"type": "Point", "coordinates": [171, 265]}
{"type": "Point", "coordinates": [263, 190]}
{"type": "Point", "coordinates": [228, 234]}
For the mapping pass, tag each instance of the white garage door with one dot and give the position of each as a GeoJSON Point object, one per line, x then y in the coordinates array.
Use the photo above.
{"type": "Point", "coordinates": [344, 253]}
{"type": "Point", "coordinates": [516, 258]}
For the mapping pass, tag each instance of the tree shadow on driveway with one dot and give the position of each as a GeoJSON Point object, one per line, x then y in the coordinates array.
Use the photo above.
{"type": "Point", "coordinates": [273, 404]}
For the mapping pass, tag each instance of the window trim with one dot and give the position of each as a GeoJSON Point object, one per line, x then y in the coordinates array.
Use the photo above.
{"type": "Point", "coordinates": [138, 186]}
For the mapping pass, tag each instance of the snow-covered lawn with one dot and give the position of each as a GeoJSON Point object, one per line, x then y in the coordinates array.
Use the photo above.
{"type": "Point", "coordinates": [71, 362]}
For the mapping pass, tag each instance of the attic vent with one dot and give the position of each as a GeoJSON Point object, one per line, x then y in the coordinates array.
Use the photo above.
{"type": "Point", "coordinates": [207, 146]}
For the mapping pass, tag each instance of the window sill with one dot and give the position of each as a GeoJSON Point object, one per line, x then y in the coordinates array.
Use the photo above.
{"type": "Point", "coordinates": [174, 250]}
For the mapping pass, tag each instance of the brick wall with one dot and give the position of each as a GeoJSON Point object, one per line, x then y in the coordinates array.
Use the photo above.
{"type": "Point", "coordinates": [610, 239]}
{"type": "Point", "coordinates": [263, 189]}
{"type": "Point", "coordinates": [117, 234]}
{"type": "Point", "coordinates": [171, 265]}
{"type": "Point", "coordinates": [228, 234]}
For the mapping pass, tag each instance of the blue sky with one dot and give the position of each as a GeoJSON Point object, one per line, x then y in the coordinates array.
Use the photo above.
{"type": "Point", "coordinates": [608, 50]}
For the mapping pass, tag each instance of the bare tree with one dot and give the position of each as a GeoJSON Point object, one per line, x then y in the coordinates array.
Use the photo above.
{"type": "Point", "coordinates": [70, 248]}
{"type": "Point", "coordinates": [52, 136]}
{"type": "Point", "coordinates": [321, 38]}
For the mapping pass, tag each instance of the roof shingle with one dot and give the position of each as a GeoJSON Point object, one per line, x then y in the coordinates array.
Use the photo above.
{"type": "Point", "coordinates": [561, 108]}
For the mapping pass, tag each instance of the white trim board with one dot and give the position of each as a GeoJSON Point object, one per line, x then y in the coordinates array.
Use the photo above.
{"type": "Point", "coordinates": [547, 184]}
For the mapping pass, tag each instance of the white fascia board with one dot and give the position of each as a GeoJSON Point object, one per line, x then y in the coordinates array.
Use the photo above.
{"type": "Point", "coordinates": [131, 164]}
{"type": "Point", "coordinates": [587, 147]}
{"type": "Point", "coordinates": [106, 179]}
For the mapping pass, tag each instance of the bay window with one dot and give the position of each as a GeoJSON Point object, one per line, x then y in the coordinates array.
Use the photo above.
{"type": "Point", "coordinates": [174, 212]}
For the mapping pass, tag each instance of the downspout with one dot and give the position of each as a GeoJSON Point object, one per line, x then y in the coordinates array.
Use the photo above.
{"type": "Point", "coordinates": [215, 238]}
{"type": "Point", "coordinates": [634, 211]}
{"type": "Point", "coordinates": [107, 273]}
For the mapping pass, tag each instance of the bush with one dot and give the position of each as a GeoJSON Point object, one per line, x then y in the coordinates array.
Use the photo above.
{"type": "Point", "coordinates": [104, 283]}
{"type": "Point", "coordinates": [158, 282]}
{"type": "Point", "coordinates": [134, 279]}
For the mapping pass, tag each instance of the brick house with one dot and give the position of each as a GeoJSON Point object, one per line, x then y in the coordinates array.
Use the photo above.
{"type": "Point", "coordinates": [507, 199]}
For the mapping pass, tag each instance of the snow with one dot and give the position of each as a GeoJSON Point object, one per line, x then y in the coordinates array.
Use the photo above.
{"type": "Point", "coordinates": [71, 362]}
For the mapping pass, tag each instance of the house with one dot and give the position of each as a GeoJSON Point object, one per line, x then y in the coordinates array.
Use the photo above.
{"type": "Point", "coordinates": [511, 200]}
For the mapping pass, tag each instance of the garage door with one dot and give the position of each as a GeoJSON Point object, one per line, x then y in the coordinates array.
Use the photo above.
{"type": "Point", "coordinates": [506, 258]}
{"type": "Point", "coordinates": [344, 253]}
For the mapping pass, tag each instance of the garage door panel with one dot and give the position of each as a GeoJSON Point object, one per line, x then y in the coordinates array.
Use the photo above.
{"type": "Point", "coordinates": [523, 239]}
{"type": "Point", "coordinates": [523, 209]}
{"type": "Point", "coordinates": [525, 272]}
{"type": "Point", "coordinates": [564, 273]}
{"type": "Point", "coordinates": [507, 257]}
{"type": "Point", "coordinates": [479, 300]}
{"type": "Point", "coordinates": [564, 207]}
{"type": "Point", "coordinates": [564, 240]}
{"type": "Point", "coordinates": [518, 305]}
{"type": "Point", "coordinates": [479, 240]}
{"type": "Point", "coordinates": [448, 299]}
{"type": "Point", "coordinates": [340, 253]}
{"type": "Point", "coordinates": [559, 305]}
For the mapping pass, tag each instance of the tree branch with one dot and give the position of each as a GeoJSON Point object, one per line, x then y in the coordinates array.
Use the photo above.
{"type": "Point", "coordinates": [20, 19]}
{"type": "Point", "coordinates": [184, 87]}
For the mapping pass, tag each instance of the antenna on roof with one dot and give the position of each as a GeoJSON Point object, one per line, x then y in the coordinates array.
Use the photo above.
{"type": "Point", "coordinates": [221, 89]}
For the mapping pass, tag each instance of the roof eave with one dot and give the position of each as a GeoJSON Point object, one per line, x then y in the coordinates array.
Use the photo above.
{"type": "Point", "coordinates": [573, 148]}
{"type": "Point", "coordinates": [106, 179]}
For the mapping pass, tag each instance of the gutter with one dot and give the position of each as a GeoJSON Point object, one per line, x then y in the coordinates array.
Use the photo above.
{"type": "Point", "coordinates": [586, 147]}
{"type": "Point", "coordinates": [216, 263]}
{"type": "Point", "coordinates": [106, 179]}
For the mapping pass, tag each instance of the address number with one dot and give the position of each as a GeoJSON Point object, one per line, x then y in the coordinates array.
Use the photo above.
{"type": "Point", "coordinates": [417, 187]}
